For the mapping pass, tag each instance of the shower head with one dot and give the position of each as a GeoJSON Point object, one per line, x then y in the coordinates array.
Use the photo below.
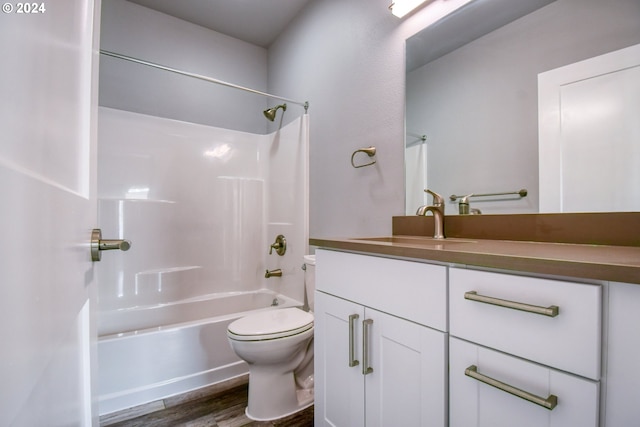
{"type": "Point", "coordinates": [270, 113]}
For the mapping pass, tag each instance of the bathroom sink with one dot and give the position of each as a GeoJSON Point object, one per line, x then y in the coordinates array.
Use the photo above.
{"type": "Point", "coordinates": [415, 240]}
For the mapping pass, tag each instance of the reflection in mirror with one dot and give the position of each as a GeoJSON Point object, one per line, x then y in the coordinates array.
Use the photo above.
{"type": "Point", "coordinates": [472, 91]}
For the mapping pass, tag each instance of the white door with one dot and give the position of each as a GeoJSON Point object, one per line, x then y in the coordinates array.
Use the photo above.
{"type": "Point", "coordinates": [589, 134]}
{"type": "Point", "coordinates": [48, 106]}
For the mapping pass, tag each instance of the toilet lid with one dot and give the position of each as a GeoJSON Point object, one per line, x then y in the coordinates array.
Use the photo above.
{"type": "Point", "coordinates": [271, 324]}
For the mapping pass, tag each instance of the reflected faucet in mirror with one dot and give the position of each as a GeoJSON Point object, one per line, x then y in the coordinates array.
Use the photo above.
{"type": "Point", "coordinates": [465, 209]}
{"type": "Point", "coordinates": [437, 209]}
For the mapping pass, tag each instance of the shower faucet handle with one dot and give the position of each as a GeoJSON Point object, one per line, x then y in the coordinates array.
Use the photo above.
{"type": "Point", "coordinates": [280, 245]}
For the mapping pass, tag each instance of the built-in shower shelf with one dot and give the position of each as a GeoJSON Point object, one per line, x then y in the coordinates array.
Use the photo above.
{"type": "Point", "coordinates": [115, 199]}
{"type": "Point", "coordinates": [169, 270]}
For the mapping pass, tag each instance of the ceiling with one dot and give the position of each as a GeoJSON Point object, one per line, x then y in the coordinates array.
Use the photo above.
{"type": "Point", "coordinates": [258, 22]}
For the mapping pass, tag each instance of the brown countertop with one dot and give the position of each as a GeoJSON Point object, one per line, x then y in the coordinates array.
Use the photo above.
{"type": "Point", "coordinates": [599, 262]}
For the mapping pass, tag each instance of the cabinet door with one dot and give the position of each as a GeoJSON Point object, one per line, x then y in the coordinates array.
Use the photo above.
{"type": "Point", "coordinates": [623, 394]}
{"type": "Point", "coordinates": [339, 388]}
{"type": "Point", "coordinates": [476, 404]}
{"type": "Point", "coordinates": [407, 385]}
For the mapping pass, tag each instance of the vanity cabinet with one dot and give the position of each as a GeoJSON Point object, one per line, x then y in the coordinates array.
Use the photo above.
{"type": "Point", "coordinates": [554, 322]}
{"type": "Point", "coordinates": [571, 401]}
{"type": "Point", "coordinates": [622, 390]}
{"type": "Point", "coordinates": [524, 351]}
{"type": "Point", "coordinates": [380, 341]}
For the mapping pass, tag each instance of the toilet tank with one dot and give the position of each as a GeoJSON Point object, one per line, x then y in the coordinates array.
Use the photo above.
{"type": "Point", "coordinates": [310, 278]}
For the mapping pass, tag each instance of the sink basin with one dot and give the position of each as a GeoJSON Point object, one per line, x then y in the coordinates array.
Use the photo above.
{"type": "Point", "coordinates": [415, 240]}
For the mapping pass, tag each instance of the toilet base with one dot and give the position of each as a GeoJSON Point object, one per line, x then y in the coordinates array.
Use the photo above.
{"type": "Point", "coordinates": [275, 395]}
{"type": "Point", "coordinates": [301, 408]}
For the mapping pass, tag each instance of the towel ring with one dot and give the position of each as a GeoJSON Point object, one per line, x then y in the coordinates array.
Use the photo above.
{"type": "Point", "coordinates": [371, 151]}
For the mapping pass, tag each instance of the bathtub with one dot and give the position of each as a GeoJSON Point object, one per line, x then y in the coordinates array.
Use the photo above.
{"type": "Point", "coordinates": [149, 353]}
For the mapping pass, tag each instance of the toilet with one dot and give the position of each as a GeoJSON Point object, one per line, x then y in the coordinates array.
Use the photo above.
{"type": "Point", "coordinates": [278, 346]}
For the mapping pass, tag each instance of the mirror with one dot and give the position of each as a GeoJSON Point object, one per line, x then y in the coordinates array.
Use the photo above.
{"type": "Point", "coordinates": [472, 94]}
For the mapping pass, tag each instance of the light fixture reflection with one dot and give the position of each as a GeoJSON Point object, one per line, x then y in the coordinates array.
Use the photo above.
{"type": "Point", "coordinates": [218, 152]}
{"type": "Point", "coordinates": [137, 193]}
{"type": "Point", "coordinates": [401, 7]}
{"type": "Point", "coordinates": [438, 9]}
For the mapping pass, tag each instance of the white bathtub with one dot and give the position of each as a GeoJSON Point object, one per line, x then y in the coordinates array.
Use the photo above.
{"type": "Point", "coordinates": [149, 353]}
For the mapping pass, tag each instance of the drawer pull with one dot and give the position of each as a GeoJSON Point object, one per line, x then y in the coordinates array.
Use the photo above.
{"type": "Point", "coordinates": [548, 403]}
{"type": "Point", "coordinates": [352, 358]}
{"type": "Point", "coordinates": [551, 311]}
{"type": "Point", "coordinates": [366, 324]}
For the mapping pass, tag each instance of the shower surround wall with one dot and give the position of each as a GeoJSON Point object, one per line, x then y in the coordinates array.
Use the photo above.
{"type": "Point", "coordinates": [201, 206]}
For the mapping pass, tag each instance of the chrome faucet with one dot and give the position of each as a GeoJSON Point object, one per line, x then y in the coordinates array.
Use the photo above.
{"type": "Point", "coordinates": [437, 209]}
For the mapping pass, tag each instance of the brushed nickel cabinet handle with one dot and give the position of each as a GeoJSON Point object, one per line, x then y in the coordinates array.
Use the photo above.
{"type": "Point", "coordinates": [548, 403]}
{"type": "Point", "coordinates": [352, 358]}
{"type": "Point", "coordinates": [551, 311]}
{"type": "Point", "coordinates": [366, 324]}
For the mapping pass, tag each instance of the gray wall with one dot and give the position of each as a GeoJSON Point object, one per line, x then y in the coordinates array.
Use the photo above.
{"type": "Point", "coordinates": [478, 105]}
{"type": "Point", "coordinates": [137, 31]}
{"type": "Point", "coordinates": [347, 58]}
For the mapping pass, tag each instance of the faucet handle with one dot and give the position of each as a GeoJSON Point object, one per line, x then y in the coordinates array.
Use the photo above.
{"type": "Point", "coordinates": [438, 200]}
{"type": "Point", "coordinates": [280, 245]}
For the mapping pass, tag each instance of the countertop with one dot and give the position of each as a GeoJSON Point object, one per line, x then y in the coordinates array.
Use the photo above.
{"type": "Point", "coordinates": [597, 262]}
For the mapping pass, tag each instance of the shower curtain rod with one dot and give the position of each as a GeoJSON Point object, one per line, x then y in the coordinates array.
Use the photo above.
{"type": "Point", "coordinates": [305, 104]}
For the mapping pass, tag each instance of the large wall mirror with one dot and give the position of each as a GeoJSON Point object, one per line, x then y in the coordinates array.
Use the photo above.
{"type": "Point", "coordinates": [472, 103]}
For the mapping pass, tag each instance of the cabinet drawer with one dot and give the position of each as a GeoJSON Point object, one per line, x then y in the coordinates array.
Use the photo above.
{"type": "Point", "coordinates": [474, 403]}
{"type": "Point", "coordinates": [570, 341]}
{"type": "Point", "coordinates": [411, 290]}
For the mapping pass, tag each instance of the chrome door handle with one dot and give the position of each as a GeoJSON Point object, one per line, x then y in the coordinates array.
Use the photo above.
{"type": "Point", "coordinates": [551, 311]}
{"type": "Point", "coordinates": [352, 358]}
{"type": "Point", "coordinates": [548, 403]}
{"type": "Point", "coordinates": [366, 324]}
{"type": "Point", "coordinates": [98, 245]}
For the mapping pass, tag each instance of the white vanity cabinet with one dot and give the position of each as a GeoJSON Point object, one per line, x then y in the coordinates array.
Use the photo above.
{"type": "Point", "coordinates": [621, 388]}
{"type": "Point", "coordinates": [380, 342]}
{"type": "Point", "coordinates": [524, 351]}
{"type": "Point", "coordinates": [571, 401]}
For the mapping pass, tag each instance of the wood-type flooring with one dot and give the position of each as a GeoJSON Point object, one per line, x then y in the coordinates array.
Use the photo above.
{"type": "Point", "coordinates": [220, 405]}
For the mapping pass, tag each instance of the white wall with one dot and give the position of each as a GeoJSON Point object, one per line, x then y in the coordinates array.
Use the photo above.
{"type": "Point", "coordinates": [285, 156]}
{"type": "Point", "coordinates": [137, 31]}
{"type": "Point", "coordinates": [190, 198]}
{"type": "Point", "coordinates": [479, 107]}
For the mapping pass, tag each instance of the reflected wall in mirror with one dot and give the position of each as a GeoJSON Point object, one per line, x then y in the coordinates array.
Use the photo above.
{"type": "Point", "coordinates": [472, 90]}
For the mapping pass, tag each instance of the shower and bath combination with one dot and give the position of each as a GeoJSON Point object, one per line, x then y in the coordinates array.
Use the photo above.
{"type": "Point", "coordinates": [270, 113]}
{"type": "Point", "coordinates": [182, 306]}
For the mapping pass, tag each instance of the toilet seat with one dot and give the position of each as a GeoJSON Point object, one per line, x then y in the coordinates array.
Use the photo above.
{"type": "Point", "coordinates": [270, 325]}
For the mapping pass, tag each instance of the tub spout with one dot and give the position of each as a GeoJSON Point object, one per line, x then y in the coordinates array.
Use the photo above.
{"type": "Point", "coordinates": [273, 273]}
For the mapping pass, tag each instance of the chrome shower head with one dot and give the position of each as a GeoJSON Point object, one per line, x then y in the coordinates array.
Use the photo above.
{"type": "Point", "coordinates": [270, 113]}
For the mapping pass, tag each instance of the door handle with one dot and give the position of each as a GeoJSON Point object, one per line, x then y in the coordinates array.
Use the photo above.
{"type": "Point", "coordinates": [366, 325]}
{"type": "Point", "coordinates": [548, 403]}
{"type": "Point", "coordinates": [98, 244]}
{"type": "Point", "coordinates": [352, 358]}
{"type": "Point", "coordinates": [551, 311]}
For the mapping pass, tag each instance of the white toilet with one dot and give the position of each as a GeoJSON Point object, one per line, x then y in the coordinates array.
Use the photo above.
{"type": "Point", "coordinates": [278, 346]}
